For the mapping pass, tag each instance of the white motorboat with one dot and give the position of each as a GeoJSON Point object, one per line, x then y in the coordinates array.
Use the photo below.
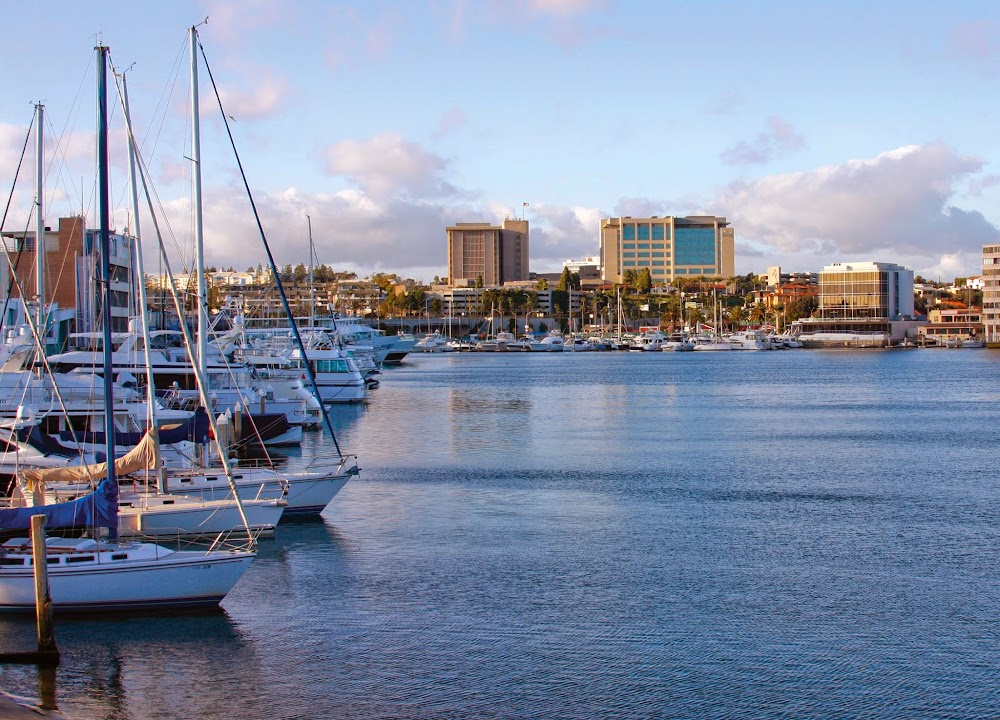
{"type": "Point", "coordinates": [173, 372]}
{"type": "Point", "coordinates": [748, 340]}
{"type": "Point", "coordinates": [433, 343]}
{"type": "Point", "coordinates": [711, 343]}
{"type": "Point", "coordinates": [338, 378]}
{"type": "Point", "coordinates": [499, 343]}
{"type": "Point", "coordinates": [649, 341]}
{"type": "Point", "coordinates": [785, 340]}
{"type": "Point", "coordinates": [354, 331]}
{"type": "Point", "coordinates": [578, 345]}
{"type": "Point", "coordinates": [677, 342]}
{"type": "Point", "coordinates": [553, 342]}
{"type": "Point", "coordinates": [521, 344]}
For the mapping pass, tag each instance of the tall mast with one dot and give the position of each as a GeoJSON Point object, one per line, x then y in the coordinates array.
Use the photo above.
{"type": "Point", "coordinates": [105, 237]}
{"type": "Point", "coordinates": [140, 274]}
{"type": "Point", "coordinates": [312, 285]}
{"type": "Point", "coordinates": [199, 234]}
{"type": "Point", "coordinates": [39, 221]}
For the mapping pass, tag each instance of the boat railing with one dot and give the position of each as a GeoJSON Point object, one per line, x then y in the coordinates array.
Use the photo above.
{"type": "Point", "coordinates": [344, 464]}
{"type": "Point", "coordinates": [235, 540]}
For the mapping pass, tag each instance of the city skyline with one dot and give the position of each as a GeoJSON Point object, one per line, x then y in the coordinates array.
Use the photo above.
{"type": "Point", "coordinates": [824, 133]}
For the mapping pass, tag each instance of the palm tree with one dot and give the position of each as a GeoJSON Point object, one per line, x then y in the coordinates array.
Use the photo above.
{"type": "Point", "coordinates": [672, 314]}
{"type": "Point", "coordinates": [758, 313]}
{"type": "Point", "coordinates": [778, 312]}
{"type": "Point", "coordinates": [738, 316]}
{"type": "Point", "coordinates": [695, 318]}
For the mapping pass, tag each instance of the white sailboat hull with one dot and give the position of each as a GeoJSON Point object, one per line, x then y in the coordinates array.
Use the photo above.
{"type": "Point", "coordinates": [156, 579]}
{"type": "Point", "coordinates": [186, 516]}
{"type": "Point", "coordinates": [306, 493]}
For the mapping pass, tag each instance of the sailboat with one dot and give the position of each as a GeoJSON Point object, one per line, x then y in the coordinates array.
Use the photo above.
{"type": "Point", "coordinates": [95, 574]}
{"type": "Point", "coordinates": [306, 492]}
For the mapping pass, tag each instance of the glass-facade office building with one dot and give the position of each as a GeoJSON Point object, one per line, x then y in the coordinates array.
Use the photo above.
{"type": "Point", "coordinates": [669, 247]}
{"type": "Point", "coordinates": [865, 291]}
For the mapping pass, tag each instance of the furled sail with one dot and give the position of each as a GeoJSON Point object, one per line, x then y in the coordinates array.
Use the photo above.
{"type": "Point", "coordinates": [141, 457]}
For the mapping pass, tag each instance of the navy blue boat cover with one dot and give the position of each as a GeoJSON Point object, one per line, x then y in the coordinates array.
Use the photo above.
{"type": "Point", "coordinates": [95, 509]}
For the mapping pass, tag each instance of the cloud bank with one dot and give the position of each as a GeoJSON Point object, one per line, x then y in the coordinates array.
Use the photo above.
{"type": "Point", "coordinates": [390, 200]}
{"type": "Point", "coordinates": [896, 206]}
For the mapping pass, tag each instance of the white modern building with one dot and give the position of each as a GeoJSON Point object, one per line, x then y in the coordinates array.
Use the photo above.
{"type": "Point", "coordinates": [862, 304]}
{"type": "Point", "coordinates": [991, 294]}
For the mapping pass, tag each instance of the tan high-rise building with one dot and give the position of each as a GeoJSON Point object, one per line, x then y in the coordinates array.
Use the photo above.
{"type": "Point", "coordinates": [497, 254]}
{"type": "Point", "coordinates": [670, 247]}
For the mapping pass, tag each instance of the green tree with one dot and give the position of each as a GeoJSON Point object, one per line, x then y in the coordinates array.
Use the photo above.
{"type": "Point", "coordinates": [695, 318]}
{"type": "Point", "coordinates": [758, 313]}
{"type": "Point", "coordinates": [801, 307]}
{"type": "Point", "coordinates": [671, 311]}
{"type": "Point", "coordinates": [565, 280]}
{"type": "Point", "coordinates": [560, 305]}
{"type": "Point", "coordinates": [738, 316]}
{"type": "Point", "coordinates": [644, 281]}
{"type": "Point", "coordinates": [385, 281]}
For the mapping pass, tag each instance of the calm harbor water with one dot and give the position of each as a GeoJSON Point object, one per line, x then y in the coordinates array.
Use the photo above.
{"type": "Point", "coordinates": [803, 534]}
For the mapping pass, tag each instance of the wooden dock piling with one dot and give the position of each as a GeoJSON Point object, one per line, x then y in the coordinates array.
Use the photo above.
{"type": "Point", "coordinates": [47, 653]}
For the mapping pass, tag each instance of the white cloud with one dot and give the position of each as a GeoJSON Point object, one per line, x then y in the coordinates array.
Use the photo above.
{"type": "Point", "coordinates": [453, 119]}
{"type": "Point", "coordinates": [894, 207]}
{"type": "Point", "coordinates": [238, 23]}
{"type": "Point", "coordinates": [266, 92]}
{"type": "Point", "coordinates": [351, 230]}
{"type": "Point", "coordinates": [775, 140]}
{"type": "Point", "coordinates": [387, 165]}
{"type": "Point", "coordinates": [558, 234]}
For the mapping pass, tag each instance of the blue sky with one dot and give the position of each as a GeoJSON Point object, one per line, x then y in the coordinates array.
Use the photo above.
{"type": "Point", "coordinates": [824, 131]}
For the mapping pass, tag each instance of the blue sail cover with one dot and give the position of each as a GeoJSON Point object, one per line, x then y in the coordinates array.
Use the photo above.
{"type": "Point", "coordinates": [194, 429]}
{"type": "Point", "coordinates": [96, 509]}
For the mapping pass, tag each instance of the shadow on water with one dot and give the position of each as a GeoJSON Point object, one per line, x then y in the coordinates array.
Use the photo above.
{"type": "Point", "coordinates": [117, 667]}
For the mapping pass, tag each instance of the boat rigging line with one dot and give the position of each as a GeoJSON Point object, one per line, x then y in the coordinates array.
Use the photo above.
{"type": "Point", "coordinates": [10, 198]}
{"type": "Point", "coordinates": [270, 256]}
{"type": "Point", "coordinates": [189, 343]}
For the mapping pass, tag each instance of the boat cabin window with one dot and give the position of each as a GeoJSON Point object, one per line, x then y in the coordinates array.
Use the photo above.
{"type": "Point", "coordinates": [338, 365]}
{"type": "Point", "coordinates": [80, 558]}
{"type": "Point", "coordinates": [166, 341]}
